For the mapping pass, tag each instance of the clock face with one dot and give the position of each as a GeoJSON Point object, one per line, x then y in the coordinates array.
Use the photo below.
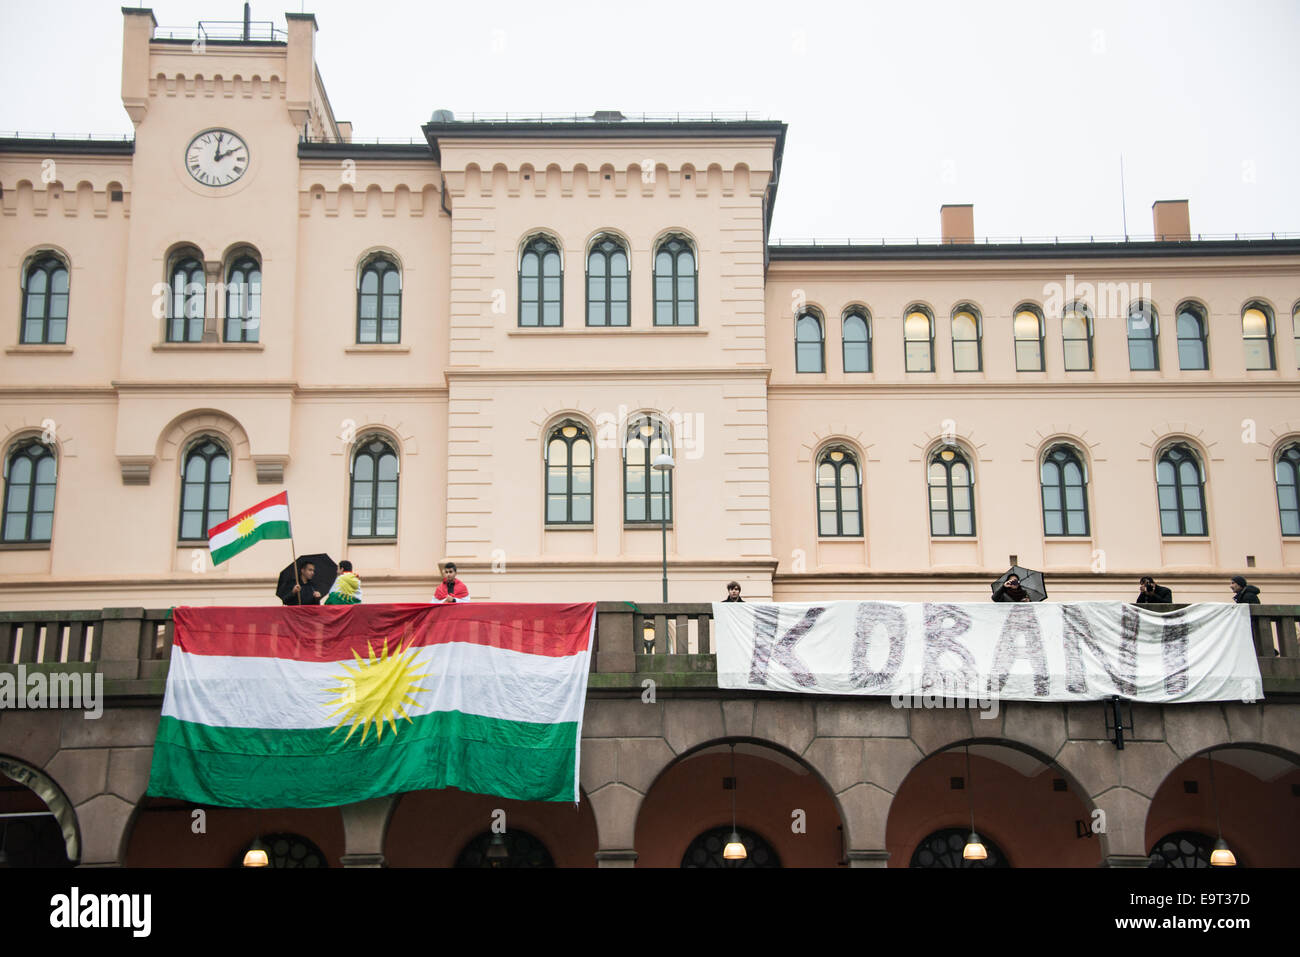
{"type": "Point", "coordinates": [216, 157]}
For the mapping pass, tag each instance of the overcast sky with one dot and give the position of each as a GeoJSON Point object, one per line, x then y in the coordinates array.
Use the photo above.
{"type": "Point", "coordinates": [893, 108]}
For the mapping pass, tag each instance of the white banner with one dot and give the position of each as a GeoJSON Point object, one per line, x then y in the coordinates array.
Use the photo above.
{"type": "Point", "coordinates": [1077, 651]}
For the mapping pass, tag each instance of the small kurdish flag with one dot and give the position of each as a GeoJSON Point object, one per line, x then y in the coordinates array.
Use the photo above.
{"type": "Point", "coordinates": [269, 519]}
{"type": "Point", "coordinates": [318, 707]}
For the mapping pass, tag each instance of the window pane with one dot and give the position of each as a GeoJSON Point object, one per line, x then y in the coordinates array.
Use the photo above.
{"type": "Point", "coordinates": [1051, 497]}
{"type": "Point", "coordinates": [1029, 357]}
{"type": "Point", "coordinates": [826, 524]}
{"type": "Point", "coordinates": [809, 357]}
{"type": "Point", "coordinates": [856, 357]}
{"type": "Point", "coordinates": [582, 508]}
{"type": "Point", "coordinates": [191, 526]}
{"type": "Point", "coordinates": [1141, 355]}
{"type": "Point", "coordinates": [1195, 526]}
{"type": "Point", "coordinates": [686, 314]}
{"type": "Point", "coordinates": [961, 523]}
{"type": "Point", "coordinates": [386, 522]}
{"type": "Point", "coordinates": [1052, 523]}
{"type": "Point", "coordinates": [966, 356]}
{"type": "Point", "coordinates": [1258, 354]}
{"type": "Point", "coordinates": [1191, 355]}
{"type": "Point", "coordinates": [918, 357]}
{"type": "Point", "coordinates": [852, 525]}
{"type": "Point", "coordinates": [938, 523]}
{"type": "Point", "coordinates": [1076, 356]}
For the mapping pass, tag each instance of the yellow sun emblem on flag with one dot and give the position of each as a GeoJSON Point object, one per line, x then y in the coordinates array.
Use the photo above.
{"type": "Point", "coordinates": [246, 526]}
{"type": "Point", "coordinates": [378, 689]}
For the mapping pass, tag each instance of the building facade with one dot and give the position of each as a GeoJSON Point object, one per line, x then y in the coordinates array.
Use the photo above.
{"type": "Point", "coordinates": [474, 345]}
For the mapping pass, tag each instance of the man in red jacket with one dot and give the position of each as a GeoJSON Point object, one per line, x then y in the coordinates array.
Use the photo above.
{"type": "Point", "coordinates": [450, 589]}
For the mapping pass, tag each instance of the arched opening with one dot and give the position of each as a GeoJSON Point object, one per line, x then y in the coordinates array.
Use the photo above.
{"type": "Point", "coordinates": [169, 833]}
{"type": "Point", "coordinates": [38, 826]}
{"type": "Point", "coordinates": [789, 814]}
{"type": "Point", "coordinates": [1246, 794]}
{"type": "Point", "coordinates": [1024, 808]}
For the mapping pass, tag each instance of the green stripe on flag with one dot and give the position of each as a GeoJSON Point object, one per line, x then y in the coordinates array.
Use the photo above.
{"type": "Point", "coordinates": [260, 767]}
{"type": "Point", "coordinates": [267, 531]}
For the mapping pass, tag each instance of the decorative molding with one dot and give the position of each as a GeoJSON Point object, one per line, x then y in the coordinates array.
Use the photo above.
{"type": "Point", "coordinates": [136, 470]}
{"type": "Point", "coordinates": [270, 468]}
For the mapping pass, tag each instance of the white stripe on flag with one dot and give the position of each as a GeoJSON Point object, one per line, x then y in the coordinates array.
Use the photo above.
{"type": "Point", "coordinates": [276, 513]}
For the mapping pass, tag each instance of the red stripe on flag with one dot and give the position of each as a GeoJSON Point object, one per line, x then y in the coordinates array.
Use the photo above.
{"type": "Point", "coordinates": [281, 499]}
{"type": "Point", "coordinates": [333, 632]}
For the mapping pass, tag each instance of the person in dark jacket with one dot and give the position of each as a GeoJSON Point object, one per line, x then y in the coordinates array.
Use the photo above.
{"type": "Point", "coordinates": [1011, 590]}
{"type": "Point", "coordinates": [733, 592]}
{"type": "Point", "coordinates": [1243, 594]}
{"type": "Point", "coordinates": [305, 593]}
{"type": "Point", "coordinates": [1149, 593]}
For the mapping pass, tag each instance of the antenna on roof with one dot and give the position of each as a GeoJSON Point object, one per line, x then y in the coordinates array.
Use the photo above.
{"type": "Point", "coordinates": [1123, 206]}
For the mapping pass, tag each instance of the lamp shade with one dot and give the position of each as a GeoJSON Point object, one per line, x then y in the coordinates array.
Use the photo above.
{"type": "Point", "coordinates": [256, 856]}
{"type": "Point", "coordinates": [735, 850]}
{"type": "Point", "coordinates": [1222, 855]}
{"type": "Point", "coordinates": [663, 462]}
{"type": "Point", "coordinates": [974, 849]}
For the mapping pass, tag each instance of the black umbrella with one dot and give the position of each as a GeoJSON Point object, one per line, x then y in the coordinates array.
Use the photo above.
{"type": "Point", "coordinates": [322, 580]}
{"type": "Point", "coordinates": [1031, 581]}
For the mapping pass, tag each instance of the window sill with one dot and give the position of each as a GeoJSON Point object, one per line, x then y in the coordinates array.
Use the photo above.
{"type": "Point", "coordinates": [954, 538]}
{"type": "Point", "coordinates": [208, 347]}
{"type": "Point", "coordinates": [608, 331]}
{"type": "Point", "coordinates": [839, 538]}
{"type": "Point", "coordinates": [39, 348]}
{"type": "Point", "coordinates": [1184, 538]}
{"type": "Point", "coordinates": [377, 348]}
{"type": "Point", "coordinates": [24, 546]}
{"type": "Point", "coordinates": [372, 541]}
{"type": "Point", "coordinates": [569, 527]}
{"type": "Point", "coordinates": [644, 526]}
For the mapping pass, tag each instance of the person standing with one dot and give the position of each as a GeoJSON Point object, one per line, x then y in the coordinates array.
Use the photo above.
{"type": "Point", "coordinates": [1242, 593]}
{"type": "Point", "coordinates": [304, 592]}
{"type": "Point", "coordinates": [733, 592]}
{"type": "Point", "coordinates": [346, 589]}
{"type": "Point", "coordinates": [451, 589]}
{"type": "Point", "coordinates": [1011, 590]}
{"type": "Point", "coordinates": [1149, 593]}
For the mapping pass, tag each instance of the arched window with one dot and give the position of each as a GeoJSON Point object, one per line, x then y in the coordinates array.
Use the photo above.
{"type": "Point", "coordinates": [1076, 337]}
{"type": "Point", "coordinates": [645, 488]}
{"type": "Point", "coordinates": [1065, 493]}
{"type": "Point", "coordinates": [189, 294]}
{"type": "Point", "coordinates": [675, 275]}
{"type": "Point", "coordinates": [952, 494]}
{"type": "Point", "coordinates": [808, 351]}
{"type": "Point", "coordinates": [856, 335]}
{"type": "Point", "coordinates": [568, 475]}
{"type": "Point", "coordinates": [918, 340]}
{"type": "Point", "coordinates": [379, 302]}
{"type": "Point", "coordinates": [1288, 489]}
{"type": "Point", "coordinates": [1184, 849]}
{"type": "Point", "coordinates": [1257, 335]}
{"type": "Point", "coordinates": [243, 299]}
{"type": "Point", "coordinates": [1192, 330]}
{"type": "Point", "coordinates": [541, 284]}
{"type": "Point", "coordinates": [30, 474]}
{"type": "Point", "coordinates": [943, 849]}
{"type": "Point", "coordinates": [1029, 339]}
{"type": "Point", "coordinates": [607, 283]}
{"type": "Point", "coordinates": [45, 302]}
{"type": "Point", "coordinates": [706, 850]}
{"type": "Point", "coordinates": [1295, 332]}
{"type": "Point", "coordinates": [839, 494]}
{"type": "Point", "coordinates": [513, 848]}
{"type": "Point", "coordinates": [286, 850]}
{"type": "Point", "coordinates": [374, 489]}
{"type": "Point", "coordinates": [966, 352]}
{"type": "Point", "coordinates": [205, 488]}
{"type": "Point", "coordinates": [1180, 483]}
{"type": "Point", "coordinates": [1143, 336]}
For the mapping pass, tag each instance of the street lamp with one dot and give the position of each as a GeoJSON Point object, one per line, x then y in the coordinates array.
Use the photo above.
{"type": "Point", "coordinates": [664, 463]}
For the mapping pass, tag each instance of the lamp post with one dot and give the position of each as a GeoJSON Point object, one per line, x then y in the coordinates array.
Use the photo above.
{"type": "Point", "coordinates": [663, 463]}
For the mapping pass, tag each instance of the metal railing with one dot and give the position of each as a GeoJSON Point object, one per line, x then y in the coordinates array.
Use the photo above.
{"type": "Point", "coordinates": [30, 135]}
{"type": "Point", "coordinates": [1025, 240]}
{"type": "Point", "coordinates": [255, 31]}
{"type": "Point", "coordinates": [608, 116]}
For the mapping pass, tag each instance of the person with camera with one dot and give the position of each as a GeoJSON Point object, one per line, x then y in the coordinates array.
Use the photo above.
{"type": "Point", "coordinates": [1149, 593]}
{"type": "Point", "coordinates": [1011, 590]}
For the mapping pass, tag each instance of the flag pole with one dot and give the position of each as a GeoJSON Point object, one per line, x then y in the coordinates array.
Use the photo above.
{"type": "Point", "coordinates": [292, 547]}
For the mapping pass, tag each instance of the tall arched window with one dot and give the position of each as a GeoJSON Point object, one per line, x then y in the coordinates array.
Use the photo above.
{"type": "Point", "coordinates": [205, 488]}
{"type": "Point", "coordinates": [647, 492]}
{"type": "Point", "coordinates": [30, 474]}
{"type": "Point", "coordinates": [1295, 332]}
{"type": "Point", "coordinates": [967, 356]}
{"type": "Point", "coordinates": [808, 343]}
{"type": "Point", "coordinates": [1192, 331]}
{"type": "Point", "coordinates": [675, 279]}
{"type": "Point", "coordinates": [1029, 339]}
{"type": "Point", "coordinates": [952, 494]}
{"type": "Point", "coordinates": [374, 489]}
{"type": "Point", "coordinates": [45, 302]}
{"type": "Point", "coordinates": [1065, 493]}
{"type": "Point", "coordinates": [839, 494]}
{"type": "Point", "coordinates": [1076, 337]}
{"type": "Point", "coordinates": [1288, 489]}
{"type": "Point", "coordinates": [568, 475]}
{"type": "Point", "coordinates": [918, 340]}
{"type": "Point", "coordinates": [541, 283]}
{"type": "Point", "coordinates": [856, 334]}
{"type": "Point", "coordinates": [1143, 337]}
{"type": "Point", "coordinates": [607, 283]}
{"type": "Point", "coordinates": [1180, 484]}
{"type": "Point", "coordinates": [243, 299]}
{"type": "Point", "coordinates": [379, 302]}
{"type": "Point", "coordinates": [189, 293]}
{"type": "Point", "coordinates": [1257, 336]}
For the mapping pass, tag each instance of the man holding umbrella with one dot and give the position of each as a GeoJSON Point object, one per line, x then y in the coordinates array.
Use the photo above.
{"type": "Point", "coordinates": [1020, 584]}
{"type": "Point", "coordinates": [307, 580]}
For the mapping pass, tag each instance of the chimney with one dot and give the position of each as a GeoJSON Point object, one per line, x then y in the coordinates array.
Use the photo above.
{"type": "Point", "coordinates": [1172, 222]}
{"type": "Point", "coordinates": [957, 223]}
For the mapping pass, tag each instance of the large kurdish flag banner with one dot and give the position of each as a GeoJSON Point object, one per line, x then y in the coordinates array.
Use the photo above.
{"type": "Point", "coordinates": [269, 519]}
{"type": "Point", "coordinates": [322, 706]}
